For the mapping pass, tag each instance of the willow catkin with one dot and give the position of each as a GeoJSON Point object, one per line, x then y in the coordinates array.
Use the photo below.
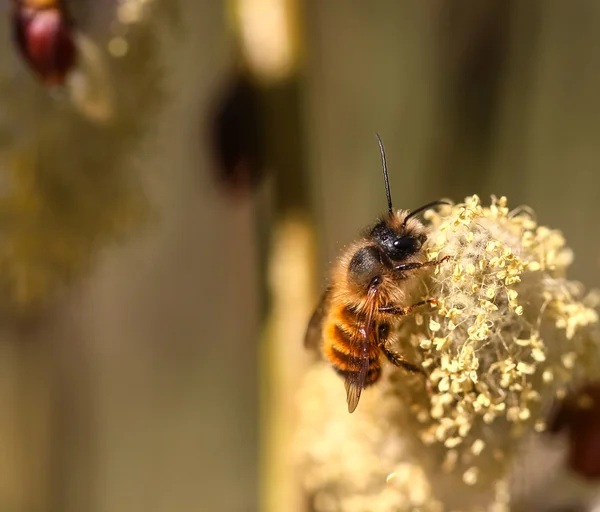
{"type": "Point", "coordinates": [508, 335]}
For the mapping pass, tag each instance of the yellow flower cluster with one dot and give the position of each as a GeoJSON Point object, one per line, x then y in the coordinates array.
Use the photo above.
{"type": "Point", "coordinates": [356, 462]}
{"type": "Point", "coordinates": [509, 333]}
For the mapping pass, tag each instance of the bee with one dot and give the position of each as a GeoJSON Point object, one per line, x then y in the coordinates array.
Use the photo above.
{"type": "Point", "coordinates": [368, 295]}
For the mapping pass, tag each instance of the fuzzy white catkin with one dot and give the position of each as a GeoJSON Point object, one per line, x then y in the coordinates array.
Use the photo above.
{"type": "Point", "coordinates": [509, 334]}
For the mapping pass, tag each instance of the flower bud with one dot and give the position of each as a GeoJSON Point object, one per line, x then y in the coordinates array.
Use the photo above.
{"type": "Point", "coordinates": [579, 415]}
{"type": "Point", "coordinates": [45, 39]}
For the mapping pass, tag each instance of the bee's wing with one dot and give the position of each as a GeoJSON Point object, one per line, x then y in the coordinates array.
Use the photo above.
{"type": "Point", "coordinates": [312, 337]}
{"type": "Point", "coordinates": [355, 384]}
{"type": "Point", "coordinates": [355, 381]}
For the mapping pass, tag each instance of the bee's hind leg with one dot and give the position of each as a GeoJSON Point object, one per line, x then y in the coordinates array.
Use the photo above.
{"type": "Point", "coordinates": [398, 360]}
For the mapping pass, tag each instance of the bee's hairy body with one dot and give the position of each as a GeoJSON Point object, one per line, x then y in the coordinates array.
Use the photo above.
{"type": "Point", "coordinates": [371, 289]}
{"type": "Point", "coordinates": [342, 345]}
{"type": "Point", "coordinates": [349, 302]}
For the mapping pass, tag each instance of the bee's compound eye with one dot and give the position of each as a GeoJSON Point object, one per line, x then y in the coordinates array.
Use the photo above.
{"type": "Point", "coordinates": [407, 244]}
{"type": "Point", "coordinates": [404, 246]}
{"type": "Point", "coordinates": [395, 245]}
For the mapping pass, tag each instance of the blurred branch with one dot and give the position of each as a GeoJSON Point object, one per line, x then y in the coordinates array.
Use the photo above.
{"type": "Point", "coordinates": [269, 38]}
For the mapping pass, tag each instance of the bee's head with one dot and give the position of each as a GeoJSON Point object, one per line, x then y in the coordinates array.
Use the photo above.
{"type": "Point", "coordinates": [396, 244]}
{"type": "Point", "coordinates": [397, 239]}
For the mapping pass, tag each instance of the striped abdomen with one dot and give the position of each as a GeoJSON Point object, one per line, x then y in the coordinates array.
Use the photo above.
{"type": "Point", "coordinates": [344, 346]}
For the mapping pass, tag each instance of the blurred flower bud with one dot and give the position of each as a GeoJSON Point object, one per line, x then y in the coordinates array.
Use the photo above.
{"type": "Point", "coordinates": [45, 39]}
{"type": "Point", "coordinates": [238, 140]}
{"type": "Point", "coordinates": [579, 415]}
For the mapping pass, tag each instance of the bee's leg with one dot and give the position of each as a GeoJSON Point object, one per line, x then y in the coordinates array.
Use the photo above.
{"type": "Point", "coordinates": [395, 310]}
{"type": "Point", "coordinates": [414, 266]}
{"type": "Point", "coordinates": [398, 360]}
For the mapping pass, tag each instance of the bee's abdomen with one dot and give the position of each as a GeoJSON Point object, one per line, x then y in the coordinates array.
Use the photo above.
{"type": "Point", "coordinates": [373, 373]}
{"type": "Point", "coordinates": [344, 347]}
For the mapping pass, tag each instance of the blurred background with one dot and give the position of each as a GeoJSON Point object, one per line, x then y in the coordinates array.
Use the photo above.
{"type": "Point", "coordinates": [178, 174]}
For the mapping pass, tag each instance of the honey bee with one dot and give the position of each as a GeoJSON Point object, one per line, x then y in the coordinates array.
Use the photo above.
{"type": "Point", "coordinates": [368, 294]}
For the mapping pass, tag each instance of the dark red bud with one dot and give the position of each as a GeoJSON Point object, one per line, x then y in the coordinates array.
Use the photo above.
{"type": "Point", "coordinates": [45, 40]}
{"type": "Point", "coordinates": [238, 138]}
{"type": "Point", "coordinates": [579, 415]}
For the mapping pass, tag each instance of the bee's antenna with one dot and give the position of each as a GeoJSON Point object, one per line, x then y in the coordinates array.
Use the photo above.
{"type": "Point", "coordinates": [424, 207]}
{"type": "Point", "coordinates": [386, 178]}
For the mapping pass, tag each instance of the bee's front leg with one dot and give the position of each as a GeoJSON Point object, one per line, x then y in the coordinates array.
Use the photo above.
{"type": "Point", "coordinates": [415, 265]}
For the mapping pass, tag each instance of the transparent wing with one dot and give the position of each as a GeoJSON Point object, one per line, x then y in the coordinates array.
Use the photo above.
{"type": "Point", "coordinates": [355, 382]}
{"type": "Point", "coordinates": [312, 337]}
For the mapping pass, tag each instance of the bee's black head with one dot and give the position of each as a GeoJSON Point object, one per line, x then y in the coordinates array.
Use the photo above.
{"type": "Point", "coordinates": [396, 245]}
